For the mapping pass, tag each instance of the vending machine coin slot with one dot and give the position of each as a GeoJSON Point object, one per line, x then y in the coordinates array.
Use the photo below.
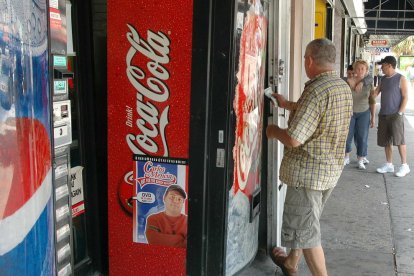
{"type": "Point", "coordinates": [62, 123]}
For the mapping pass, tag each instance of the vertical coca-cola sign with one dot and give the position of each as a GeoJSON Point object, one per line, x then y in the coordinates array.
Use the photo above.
{"type": "Point", "coordinates": [149, 74]}
{"type": "Point", "coordinates": [151, 90]}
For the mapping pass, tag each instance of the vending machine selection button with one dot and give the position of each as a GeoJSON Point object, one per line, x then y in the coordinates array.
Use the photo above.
{"type": "Point", "coordinates": [62, 232]}
{"type": "Point", "coordinates": [62, 212]}
{"type": "Point", "coordinates": [63, 253]}
{"type": "Point", "coordinates": [65, 271]}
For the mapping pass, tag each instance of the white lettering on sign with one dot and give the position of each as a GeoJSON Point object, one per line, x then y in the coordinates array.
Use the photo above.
{"type": "Point", "coordinates": [150, 90]}
{"type": "Point", "coordinates": [379, 42]}
{"type": "Point", "coordinates": [379, 50]}
{"type": "Point", "coordinates": [145, 197]}
{"type": "Point", "coordinates": [382, 49]}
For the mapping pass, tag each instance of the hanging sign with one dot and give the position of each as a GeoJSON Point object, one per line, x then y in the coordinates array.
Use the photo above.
{"type": "Point", "coordinates": [378, 43]}
{"type": "Point", "coordinates": [379, 50]}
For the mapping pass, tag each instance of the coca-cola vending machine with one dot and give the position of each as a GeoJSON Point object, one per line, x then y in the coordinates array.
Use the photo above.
{"type": "Point", "coordinates": [186, 112]}
{"type": "Point", "coordinates": [227, 140]}
{"type": "Point", "coordinates": [149, 80]}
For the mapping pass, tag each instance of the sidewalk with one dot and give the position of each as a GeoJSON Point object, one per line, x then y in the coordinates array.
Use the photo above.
{"type": "Point", "coordinates": [368, 223]}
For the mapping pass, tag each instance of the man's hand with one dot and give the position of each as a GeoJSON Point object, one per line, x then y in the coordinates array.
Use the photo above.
{"type": "Point", "coordinates": [372, 122]}
{"type": "Point", "coordinates": [271, 131]}
{"type": "Point", "coordinates": [280, 100]}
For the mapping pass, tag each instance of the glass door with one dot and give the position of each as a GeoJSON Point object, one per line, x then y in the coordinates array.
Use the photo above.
{"type": "Point", "coordinates": [244, 171]}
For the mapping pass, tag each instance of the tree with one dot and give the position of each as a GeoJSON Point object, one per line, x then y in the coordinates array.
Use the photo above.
{"type": "Point", "coordinates": [405, 47]}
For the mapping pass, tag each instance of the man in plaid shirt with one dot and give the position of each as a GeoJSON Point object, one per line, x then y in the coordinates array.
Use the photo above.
{"type": "Point", "coordinates": [313, 156]}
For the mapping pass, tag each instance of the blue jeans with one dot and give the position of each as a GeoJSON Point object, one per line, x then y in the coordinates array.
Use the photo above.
{"type": "Point", "coordinates": [358, 130]}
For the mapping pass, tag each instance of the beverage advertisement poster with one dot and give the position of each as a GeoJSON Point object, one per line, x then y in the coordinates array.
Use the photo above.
{"type": "Point", "coordinates": [248, 106]}
{"type": "Point", "coordinates": [160, 205]}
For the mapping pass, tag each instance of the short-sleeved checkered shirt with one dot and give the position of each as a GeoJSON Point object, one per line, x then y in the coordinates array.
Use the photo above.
{"type": "Point", "coordinates": [320, 123]}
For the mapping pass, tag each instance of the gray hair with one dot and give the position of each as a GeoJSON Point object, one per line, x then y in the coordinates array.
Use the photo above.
{"type": "Point", "coordinates": [322, 51]}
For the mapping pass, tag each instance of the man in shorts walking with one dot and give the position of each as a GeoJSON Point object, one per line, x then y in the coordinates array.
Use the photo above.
{"type": "Point", "coordinates": [394, 98]}
{"type": "Point", "coordinates": [313, 156]}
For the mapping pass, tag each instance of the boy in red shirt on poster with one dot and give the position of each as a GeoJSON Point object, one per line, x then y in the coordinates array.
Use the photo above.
{"type": "Point", "coordinates": [169, 227]}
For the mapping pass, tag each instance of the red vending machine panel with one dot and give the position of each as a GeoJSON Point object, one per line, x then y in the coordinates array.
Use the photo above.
{"type": "Point", "coordinates": [149, 75]}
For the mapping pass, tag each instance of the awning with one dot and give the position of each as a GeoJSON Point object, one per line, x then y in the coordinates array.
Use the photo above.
{"type": "Point", "coordinates": [389, 17]}
{"type": "Point", "coordinates": [355, 10]}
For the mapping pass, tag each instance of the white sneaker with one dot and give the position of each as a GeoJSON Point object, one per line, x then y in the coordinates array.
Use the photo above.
{"type": "Point", "coordinates": [361, 165]}
{"type": "Point", "coordinates": [365, 160]}
{"type": "Point", "coordinates": [403, 170]}
{"type": "Point", "coordinates": [346, 161]}
{"type": "Point", "coordinates": [386, 168]}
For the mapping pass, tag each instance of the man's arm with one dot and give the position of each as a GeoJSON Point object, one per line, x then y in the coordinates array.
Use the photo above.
{"type": "Point", "coordinates": [376, 92]}
{"type": "Point", "coordinates": [372, 106]}
{"type": "Point", "coordinates": [155, 235]}
{"type": "Point", "coordinates": [404, 94]}
{"type": "Point", "coordinates": [283, 103]}
{"type": "Point", "coordinates": [273, 131]}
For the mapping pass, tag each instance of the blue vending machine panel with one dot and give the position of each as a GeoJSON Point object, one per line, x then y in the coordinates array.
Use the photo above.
{"type": "Point", "coordinates": [26, 201]}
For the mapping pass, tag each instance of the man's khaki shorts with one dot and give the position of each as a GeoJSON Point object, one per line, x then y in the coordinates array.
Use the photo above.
{"type": "Point", "coordinates": [302, 211]}
{"type": "Point", "coordinates": [390, 130]}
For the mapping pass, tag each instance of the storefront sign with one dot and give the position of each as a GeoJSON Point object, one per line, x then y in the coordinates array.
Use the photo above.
{"type": "Point", "coordinates": [378, 43]}
{"type": "Point", "coordinates": [379, 50]}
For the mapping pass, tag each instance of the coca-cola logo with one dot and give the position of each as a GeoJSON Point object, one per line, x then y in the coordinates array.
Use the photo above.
{"type": "Point", "coordinates": [248, 105]}
{"type": "Point", "coordinates": [247, 146]}
{"type": "Point", "coordinates": [151, 89]}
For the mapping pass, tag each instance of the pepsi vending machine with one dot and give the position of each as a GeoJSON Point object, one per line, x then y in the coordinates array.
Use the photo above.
{"type": "Point", "coordinates": [27, 207]}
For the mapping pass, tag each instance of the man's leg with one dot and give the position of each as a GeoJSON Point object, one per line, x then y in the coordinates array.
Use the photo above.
{"type": "Point", "coordinates": [315, 259]}
{"type": "Point", "coordinates": [403, 153]}
{"type": "Point", "coordinates": [292, 260]}
{"type": "Point", "coordinates": [388, 153]}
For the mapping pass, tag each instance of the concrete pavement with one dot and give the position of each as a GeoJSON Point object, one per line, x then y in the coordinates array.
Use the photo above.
{"type": "Point", "coordinates": [368, 223]}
